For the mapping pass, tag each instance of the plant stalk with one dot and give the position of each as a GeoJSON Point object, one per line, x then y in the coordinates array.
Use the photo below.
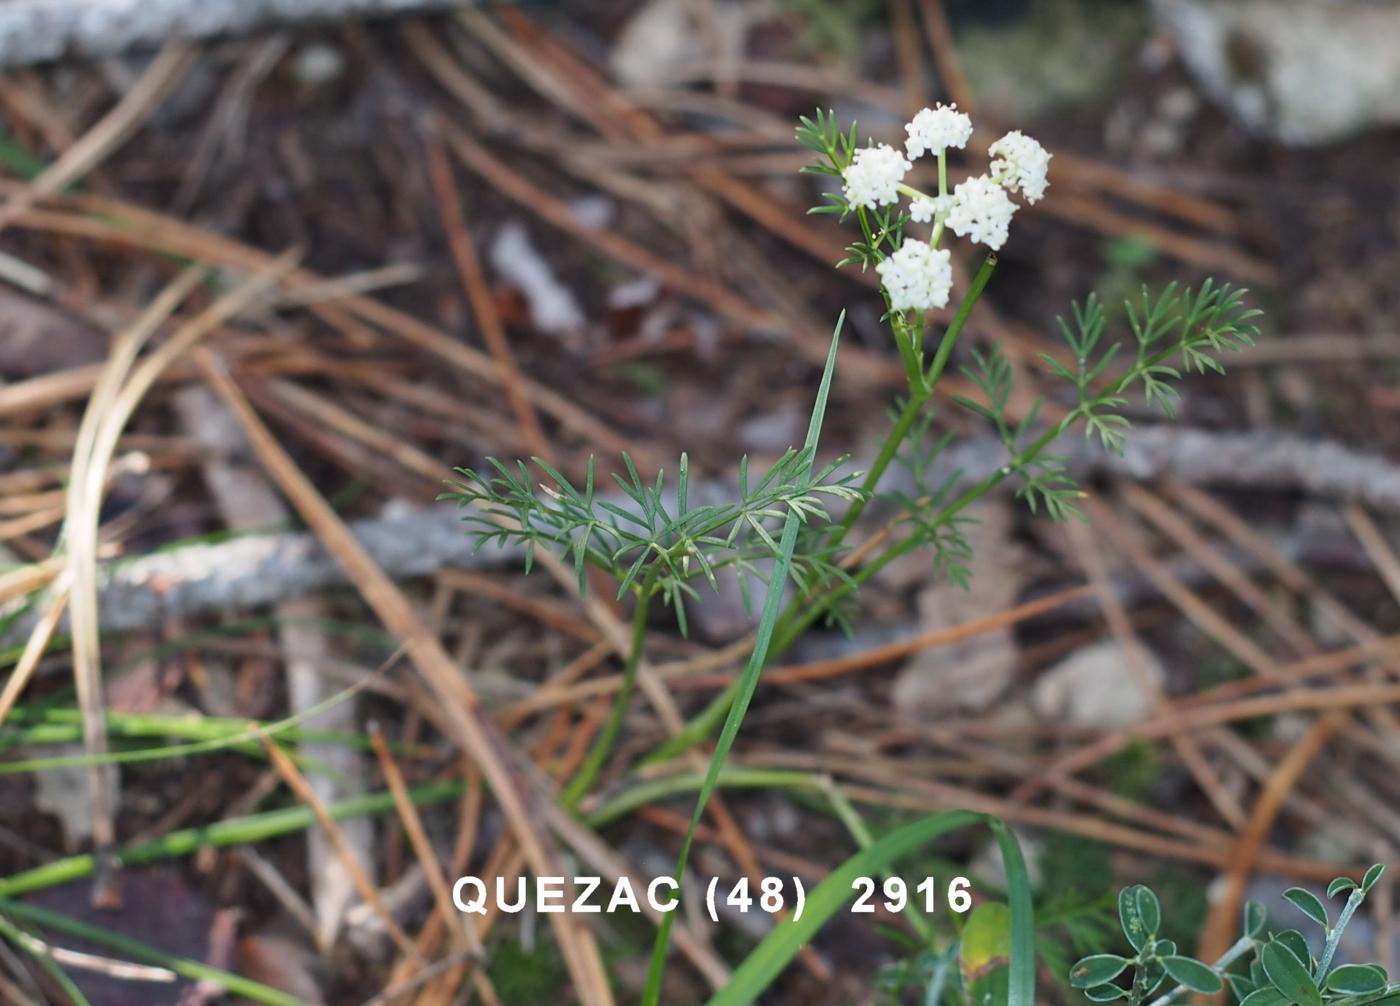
{"type": "Point", "coordinates": [1334, 935]}
{"type": "Point", "coordinates": [1241, 947]}
{"type": "Point", "coordinates": [587, 774]}
{"type": "Point", "coordinates": [919, 394]}
{"type": "Point", "coordinates": [793, 622]}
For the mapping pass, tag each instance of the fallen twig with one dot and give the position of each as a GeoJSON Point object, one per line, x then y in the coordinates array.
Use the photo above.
{"type": "Point", "coordinates": [263, 569]}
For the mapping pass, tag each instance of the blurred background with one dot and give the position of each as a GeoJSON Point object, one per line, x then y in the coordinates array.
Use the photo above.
{"type": "Point", "coordinates": [568, 229]}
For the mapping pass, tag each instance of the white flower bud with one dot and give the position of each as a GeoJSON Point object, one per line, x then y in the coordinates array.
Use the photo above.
{"type": "Point", "coordinates": [924, 209]}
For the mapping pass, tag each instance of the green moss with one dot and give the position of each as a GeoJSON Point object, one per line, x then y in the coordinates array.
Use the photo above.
{"type": "Point", "coordinates": [527, 977]}
{"type": "Point", "coordinates": [1132, 771]}
{"type": "Point", "coordinates": [1184, 906]}
{"type": "Point", "coordinates": [830, 28]}
{"type": "Point", "coordinates": [1063, 52]}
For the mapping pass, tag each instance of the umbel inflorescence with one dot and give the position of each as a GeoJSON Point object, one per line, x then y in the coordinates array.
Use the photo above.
{"type": "Point", "coordinates": [916, 273]}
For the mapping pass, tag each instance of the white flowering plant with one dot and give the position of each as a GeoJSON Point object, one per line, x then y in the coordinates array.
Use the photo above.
{"type": "Point", "coordinates": [652, 542]}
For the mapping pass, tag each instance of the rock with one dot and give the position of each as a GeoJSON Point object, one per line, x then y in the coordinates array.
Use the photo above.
{"type": "Point", "coordinates": [1097, 687]}
{"type": "Point", "coordinates": [36, 338]}
{"type": "Point", "coordinates": [657, 37]}
{"type": "Point", "coordinates": [663, 36]}
{"type": "Point", "coordinates": [318, 64]}
{"type": "Point", "coordinates": [593, 210]}
{"type": "Point", "coordinates": [1301, 71]}
{"type": "Point", "coordinates": [553, 309]}
{"type": "Point", "coordinates": [972, 673]}
{"type": "Point", "coordinates": [1030, 59]}
{"type": "Point", "coordinates": [63, 791]}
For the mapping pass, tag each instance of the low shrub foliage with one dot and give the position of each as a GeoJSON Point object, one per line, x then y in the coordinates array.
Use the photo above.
{"type": "Point", "coordinates": [1260, 969]}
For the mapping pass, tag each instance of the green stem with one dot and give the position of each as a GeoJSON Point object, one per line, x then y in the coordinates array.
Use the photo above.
{"type": "Point", "coordinates": [748, 680]}
{"type": "Point", "coordinates": [700, 727]}
{"type": "Point", "coordinates": [799, 617]}
{"type": "Point", "coordinates": [587, 774]}
{"type": "Point", "coordinates": [905, 341]}
{"type": "Point", "coordinates": [1334, 935]}
{"type": "Point", "coordinates": [787, 633]}
{"type": "Point", "coordinates": [918, 397]}
{"type": "Point", "coordinates": [939, 978]}
{"type": "Point", "coordinates": [855, 824]}
{"type": "Point", "coordinates": [1241, 947]}
{"type": "Point", "coordinates": [737, 777]}
{"type": "Point", "coordinates": [793, 622]}
{"type": "Point", "coordinates": [974, 294]}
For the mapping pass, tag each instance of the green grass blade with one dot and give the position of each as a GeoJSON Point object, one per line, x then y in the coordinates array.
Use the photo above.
{"type": "Point", "coordinates": [32, 727]}
{"type": "Point", "coordinates": [248, 734]}
{"type": "Point", "coordinates": [1018, 894]}
{"type": "Point", "coordinates": [697, 729]}
{"type": "Point", "coordinates": [235, 831]}
{"type": "Point", "coordinates": [50, 967]}
{"type": "Point", "coordinates": [778, 948]}
{"type": "Point", "coordinates": [140, 952]}
{"type": "Point", "coordinates": [749, 679]}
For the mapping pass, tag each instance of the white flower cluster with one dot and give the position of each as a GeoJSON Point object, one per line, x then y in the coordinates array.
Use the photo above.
{"type": "Point", "coordinates": [918, 276]}
{"type": "Point", "coordinates": [981, 210]}
{"type": "Point", "coordinates": [934, 130]}
{"type": "Point", "coordinates": [873, 176]}
{"type": "Point", "coordinates": [924, 209]}
{"type": "Point", "coordinates": [1021, 165]}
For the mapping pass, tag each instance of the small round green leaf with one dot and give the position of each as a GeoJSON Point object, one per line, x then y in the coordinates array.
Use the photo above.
{"type": "Point", "coordinates": [1264, 997]}
{"type": "Point", "coordinates": [1105, 994]}
{"type": "Point", "coordinates": [1295, 941]}
{"type": "Point", "coordinates": [1151, 975]}
{"type": "Point", "coordinates": [1137, 933]}
{"type": "Point", "coordinates": [1289, 975]}
{"type": "Point", "coordinates": [1309, 904]}
{"type": "Point", "coordinates": [1356, 979]}
{"type": "Point", "coordinates": [986, 940]}
{"type": "Point", "coordinates": [1239, 984]}
{"type": "Point", "coordinates": [1164, 948]}
{"type": "Point", "coordinates": [1339, 885]}
{"type": "Point", "coordinates": [1193, 974]}
{"type": "Point", "coordinates": [1100, 969]}
{"type": "Point", "coordinates": [1254, 918]}
{"type": "Point", "coordinates": [1372, 875]}
{"type": "Point", "coordinates": [1149, 909]}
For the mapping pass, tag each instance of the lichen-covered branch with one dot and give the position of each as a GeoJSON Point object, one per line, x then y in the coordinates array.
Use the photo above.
{"type": "Point", "coordinates": [263, 569]}
{"type": "Point", "coordinates": [37, 31]}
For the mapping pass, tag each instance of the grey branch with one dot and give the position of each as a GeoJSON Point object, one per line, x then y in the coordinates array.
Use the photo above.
{"type": "Point", "coordinates": [259, 570]}
{"type": "Point", "coordinates": [36, 31]}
